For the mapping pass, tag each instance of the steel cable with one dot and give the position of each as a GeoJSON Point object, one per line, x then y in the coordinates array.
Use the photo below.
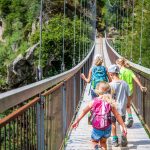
{"type": "Point", "coordinates": [63, 50]}
{"type": "Point", "coordinates": [140, 58]}
{"type": "Point", "coordinates": [131, 52]}
{"type": "Point", "coordinates": [74, 47]}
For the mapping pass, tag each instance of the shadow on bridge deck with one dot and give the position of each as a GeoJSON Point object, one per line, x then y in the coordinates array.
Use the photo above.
{"type": "Point", "coordinates": [79, 139]}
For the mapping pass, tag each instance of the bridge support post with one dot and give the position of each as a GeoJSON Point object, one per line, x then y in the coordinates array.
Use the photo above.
{"type": "Point", "coordinates": [64, 115]}
{"type": "Point", "coordinates": [80, 85]}
{"type": "Point", "coordinates": [40, 123]}
{"type": "Point", "coordinates": [74, 96]}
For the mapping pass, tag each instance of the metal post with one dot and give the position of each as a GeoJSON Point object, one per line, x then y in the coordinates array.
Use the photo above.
{"type": "Point", "coordinates": [74, 91]}
{"type": "Point", "coordinates": [83, 71]}
{"type": "Point", "coordinates": [40, 123]}
{"type": "Point", "coordinates": [64, 115]}
{"type": "Point", "coordinates": [39, 107]}
{"type": "Point", "coordinates": [38, 120]}
{"type": "Point", "coordinates": [80, 84]}
{"type": "Point", "coordinates": [39, 73]}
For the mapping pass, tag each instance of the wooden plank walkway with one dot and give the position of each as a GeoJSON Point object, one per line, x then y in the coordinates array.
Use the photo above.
{"type": "Point", "coordinates": [79, 139]}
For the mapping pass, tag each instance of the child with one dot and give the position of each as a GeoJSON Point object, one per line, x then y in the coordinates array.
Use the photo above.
{"type": "Point", "coordinates": [121, 94]}
{"type": "Point", "coordinates": [128, 76]}
{"type": "Point", "coordinates": [96, 74]}
{"type": "Point", "coordinates": [101, 109]}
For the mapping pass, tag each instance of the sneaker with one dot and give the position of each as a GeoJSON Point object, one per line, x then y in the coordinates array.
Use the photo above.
{"type": "Point", "coordinates": [130, 122]}
{"type": "Point", "coordinates": [115, 142]}
{"type": "Point", "coordinates": [124, 141]}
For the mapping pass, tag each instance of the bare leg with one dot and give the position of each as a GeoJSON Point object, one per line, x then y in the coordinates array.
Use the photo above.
{"type": "Point", "coordinates": [130, 118]}
{"type": "Point", "coordinates": [113, 131]}
{"type": "Point", "coordinates": [103, 144]}
{"type": "Point", "coordinates": [114, 135]}
{"type": "Point", "coordinates": [129, 110]}
{"type": "Point", "coordinates": [129, 105]}
{"type": "Point", "coordinates": [94, 143]}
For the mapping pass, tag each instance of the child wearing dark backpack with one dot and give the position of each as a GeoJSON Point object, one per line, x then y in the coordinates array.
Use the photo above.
{"type": "Point", "coordinates": [101, 109]}
{"type": "Point", "coordinates": [96, 74]}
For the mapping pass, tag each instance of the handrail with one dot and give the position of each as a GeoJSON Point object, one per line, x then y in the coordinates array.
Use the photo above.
{"type": "Point", "coordinates": [19, 95]}
{"type": "Point", "coordinates": [137, 67]}
{"type": "Point", "coordinates": [18, 112]}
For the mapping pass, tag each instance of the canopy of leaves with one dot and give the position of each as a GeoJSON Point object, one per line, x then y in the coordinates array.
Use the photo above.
{"type": "Point", "coordinates": [18, 19]}
{"type": "Point", "coordinates": [122, 19]}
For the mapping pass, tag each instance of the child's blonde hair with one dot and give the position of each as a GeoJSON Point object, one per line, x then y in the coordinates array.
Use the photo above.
{"type": "Point", "coordinates": [98, 60]}
{"type": "Point", "coordinates": [123, 62]}
{"type": "Point", "coordinates": [106, 93]}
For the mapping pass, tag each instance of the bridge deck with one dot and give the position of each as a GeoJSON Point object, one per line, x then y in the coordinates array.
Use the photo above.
{"type": "Point", "coordinates": [79, 139]}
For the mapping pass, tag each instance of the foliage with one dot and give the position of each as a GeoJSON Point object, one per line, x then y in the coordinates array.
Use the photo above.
{"type": "Point", "coordinates": [125, 44]}
{"type": "Point", "coordinates": [19, 17]}
{"type": "Point", "coordinates": [52, 43]}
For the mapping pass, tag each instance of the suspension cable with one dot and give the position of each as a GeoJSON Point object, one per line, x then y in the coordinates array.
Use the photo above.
{"type": "Point", "coordinates": [39, 70]}
{"type": "Point", "coordinates": [95, 16]}
{"type": "Point", "coordinates": [94, 27]}
{"type": "Point", "coordinates": [80, 35]}
{"type": "Point", "coordinates": [86, 32]}
{"type": "Point", "coordinates": [83, 28]}
{"type": "Point", "coordinates": [127, 29]}
{"type": "Point", "coordinates": [122, 28]}
{"type": "Point", "coordinates": [116, 47]}
{"type": "Point", "coordinates": [131, 54]}
{"type": "Point", "coordinates": [116, 12]}
{"type": "Point", "coordinates": [63, 64]}
{"type": "Point", "coordinates": [87, 28]}
{"type": "Point", "coordinates": [74, 49]}
{"type": "Point", "coordinates": [140, 58]}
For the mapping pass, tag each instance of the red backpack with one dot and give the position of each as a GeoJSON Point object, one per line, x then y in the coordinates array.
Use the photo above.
{"type": "Point", "coordinates": [100, 114]}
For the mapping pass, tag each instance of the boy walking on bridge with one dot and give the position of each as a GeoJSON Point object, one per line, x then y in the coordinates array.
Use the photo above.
{"type": "Point", "coordinates": [121, 95]}
{"type": "Point", "coordinates": [128, 76]}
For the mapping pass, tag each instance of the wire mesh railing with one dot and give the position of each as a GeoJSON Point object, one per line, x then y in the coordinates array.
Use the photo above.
{"type": "Point", "coordinates": [141, 100]}
{"type": "Point", "coordinates": [42, 112]}
{"type": "Point", "coordinates": [18, 130]}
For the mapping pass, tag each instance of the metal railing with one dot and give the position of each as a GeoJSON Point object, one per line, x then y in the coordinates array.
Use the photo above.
{"type": "Point", "coordinates": [141, 101]}
{"type": "Point", "coordinates": [40, 114]}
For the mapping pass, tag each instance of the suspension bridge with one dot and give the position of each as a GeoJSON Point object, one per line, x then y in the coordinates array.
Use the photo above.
{"type": "Point", "coordinates": [38, 116]}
